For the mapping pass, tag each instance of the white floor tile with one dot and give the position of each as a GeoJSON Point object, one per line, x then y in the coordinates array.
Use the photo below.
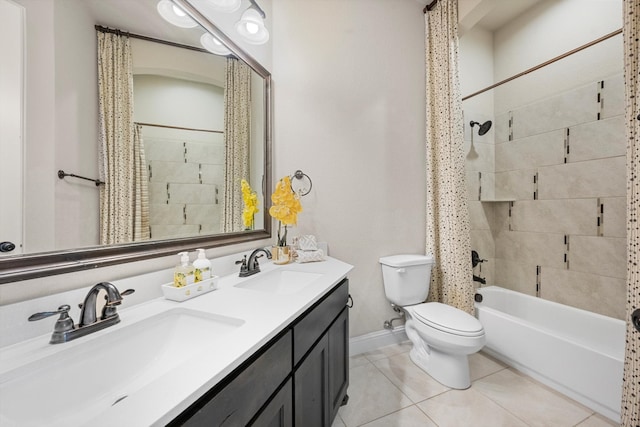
{"type": "Point", "coordinates": [371, 396]}
{"type": "Point", "coordinates": [467, 408]}
{"type": "Point", "coordinates": [410, 379]}
{"type": "Point", "coordinates": [408, 417]}
{"type": "Point", "coordinates": [531, 401]}
{"type": "Point", "coordinates": [388, 351]}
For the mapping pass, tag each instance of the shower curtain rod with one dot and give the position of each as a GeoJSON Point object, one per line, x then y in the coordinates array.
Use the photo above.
{"type": "Point", "coordinates": [544, 64]}
{"type": "Point", "coordinates": [149, 39]}
{"type": "Point", "coordinates": [177, 127]}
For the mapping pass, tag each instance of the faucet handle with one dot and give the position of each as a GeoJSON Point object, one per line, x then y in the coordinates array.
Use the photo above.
{"type": "Point", "coordinates": [243, 267]}
{"type": "Point", "coordinates": [63, 311]}
{"type": "Point", "coordinates": [63, 324]}
{"type": "Point", "coordinates": [109, 308]}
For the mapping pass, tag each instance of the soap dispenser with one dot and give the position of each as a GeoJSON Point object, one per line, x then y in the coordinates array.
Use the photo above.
{"type": "Point", "coordinates": [202, 267]}
{"type": "Point", "coordinates": [183, 274]}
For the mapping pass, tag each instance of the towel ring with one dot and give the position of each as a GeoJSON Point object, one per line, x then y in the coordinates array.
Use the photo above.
{"type": "Point", "coordinates": [299, 175]}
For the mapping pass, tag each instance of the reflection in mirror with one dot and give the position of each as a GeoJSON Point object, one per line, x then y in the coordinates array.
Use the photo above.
{"type": "Point", "coordinates": [186, 189]}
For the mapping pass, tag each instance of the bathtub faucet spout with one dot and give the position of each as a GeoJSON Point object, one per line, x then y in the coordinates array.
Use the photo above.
{"type": "Point", "coordinates": [479, 279]}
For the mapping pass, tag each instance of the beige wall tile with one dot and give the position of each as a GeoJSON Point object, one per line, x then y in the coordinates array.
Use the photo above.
{"type": "Point", "coordinates": [204, 214]}
{"type": "Point", "coordinates": [208, 153]}
{"type": "Point", "coordinates": [500, 216]}
{"type": "Point", "coordinates": [614, 217]}
{"type": "Point", "coordinates": [480, 156]}
{"type": "Point", "coordinates": [487, 186]}
{"type": "Point", "coordinates": [473, 185]}
{"type": "Point", "coordinates": [173, 231]}
{"type": "Point", "coordinates": [164, 214]}
{"type": "Point", "coordinates": [597, 140]}
{"type": "Point", "coordinates": [557, 112]}
{"type": "Point", "coordinates": [531, 248]}
{"type": "Point", "coordinates": [482, 241]}
{"type": "Point", "coordinates": [480, 215]}
{"type": "Point", "coordinates": [568, 216]}
{"type": "Point", "coordinates": [517, 276]}
{"type": "Point", "coordinates": [163, 149]}
{"type": "Point", "coordinates": [594, 178]}
{"type": "Point", "coordinates": [591, 292]}
{"type": "Point", "coordinates": [174, 172]}
{"type": "Point", "coordinates": [598, 255]}
{"type": "Point", "coordinates": [517, 185]}
{"type": "Point", "coordinates": [612, 97]}
{"type": "Point", "coordinates": [157, 193]}
{"type": "Point", "coordinates": [213, 174]}
{"type": "Point", "coordinates": [192, 193]}
{"type": "Point", "coordinates": [501, 124]}
{"type": "Point", "coordinates": [531, 152]}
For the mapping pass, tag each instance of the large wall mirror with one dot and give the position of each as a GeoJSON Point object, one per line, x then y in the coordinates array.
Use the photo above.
{"type": "Point", "coordinates": [183, 119]}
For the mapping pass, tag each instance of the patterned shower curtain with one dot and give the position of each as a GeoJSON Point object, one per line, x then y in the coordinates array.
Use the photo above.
{"type": "Point", "coordinates": [631, 381]}
{"type": "Point", "coordinates": [237, 127]}
{"type": "Point", "coordinates": [448, 231]}
{"type": "Point", "coordinates": [124, 201]}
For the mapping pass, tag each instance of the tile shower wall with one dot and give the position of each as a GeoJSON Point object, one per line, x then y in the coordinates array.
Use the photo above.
{"type": "Point", "coordinates": [561, 164]}
{"type": "Point", "coordinates": [186, 177]}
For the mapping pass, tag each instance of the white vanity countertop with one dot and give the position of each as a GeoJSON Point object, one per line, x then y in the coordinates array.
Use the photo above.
{"type": "Point", "coordinates": [264, 315]}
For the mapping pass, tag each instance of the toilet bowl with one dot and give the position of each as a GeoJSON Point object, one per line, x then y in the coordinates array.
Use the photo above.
{"type": "Point", "coordinates": [442, 336]}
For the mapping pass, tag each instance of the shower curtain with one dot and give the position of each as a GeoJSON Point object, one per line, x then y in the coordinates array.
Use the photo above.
{"type": "Point", "coordinates": [630, 410]}
{"type": "Point", "coordinates": [237, 126]}
{"type": "Point", "coordinates": [448, 231]}
{"type": "Point", "coordinates": [124, 202]}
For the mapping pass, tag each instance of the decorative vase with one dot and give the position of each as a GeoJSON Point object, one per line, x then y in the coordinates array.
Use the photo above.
{"type": "Point", "coordinates": [281, 254]}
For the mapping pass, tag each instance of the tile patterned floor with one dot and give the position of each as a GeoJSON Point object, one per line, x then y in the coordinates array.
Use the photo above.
{"type": "Point", "coordinates": [387, 390]}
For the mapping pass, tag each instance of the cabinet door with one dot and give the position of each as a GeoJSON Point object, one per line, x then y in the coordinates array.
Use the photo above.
{"type": "Point", "coordinates": [248, 391]}
{"type": "Point", "coordinates": [279, 411]}
{"type": "Point", "coordinates": [338, 361]}
{"type": "Point", "coordinates": [311, 392]}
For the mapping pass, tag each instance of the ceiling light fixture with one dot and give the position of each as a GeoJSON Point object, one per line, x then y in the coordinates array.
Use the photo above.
{"type": "Point", "coordinates": [213, 45]}
{"type": "Point", "coordinates": [226, 6]}
{"type": "Point", "coordinates": [175, 15]}
{"type": "Point", "coordinates": [251, 25]}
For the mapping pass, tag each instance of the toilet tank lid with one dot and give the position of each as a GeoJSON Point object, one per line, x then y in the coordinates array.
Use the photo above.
{"type": "Point", "coordinates": [407, 260]}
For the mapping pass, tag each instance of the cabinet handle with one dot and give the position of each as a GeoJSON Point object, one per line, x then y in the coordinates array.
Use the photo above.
{"type": "Point", "coordinates": [350, 301]}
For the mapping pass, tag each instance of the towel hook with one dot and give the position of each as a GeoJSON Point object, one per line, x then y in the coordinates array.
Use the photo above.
{"type": "Point", "coordinates": [299, 175]}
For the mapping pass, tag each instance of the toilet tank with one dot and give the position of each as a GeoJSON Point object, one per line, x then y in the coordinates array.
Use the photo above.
{"type": "Point", "coordinates": [406, 278]}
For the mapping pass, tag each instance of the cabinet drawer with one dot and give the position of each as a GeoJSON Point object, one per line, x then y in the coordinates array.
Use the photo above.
{"type": "Point", "coordinates": [238, 402]}
{"type": "Point", "coordinates": [318, 318]}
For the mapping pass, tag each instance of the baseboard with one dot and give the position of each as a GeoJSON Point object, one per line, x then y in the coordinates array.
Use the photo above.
{"type": "Point", "coordinates": [375, 340]}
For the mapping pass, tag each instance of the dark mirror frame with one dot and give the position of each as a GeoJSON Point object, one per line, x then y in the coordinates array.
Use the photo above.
{"type": "Point", "coordinates": [31, 266]}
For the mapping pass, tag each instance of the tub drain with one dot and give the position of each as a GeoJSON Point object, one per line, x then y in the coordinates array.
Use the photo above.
{"type": "Point", "coordinates": [120, 399]}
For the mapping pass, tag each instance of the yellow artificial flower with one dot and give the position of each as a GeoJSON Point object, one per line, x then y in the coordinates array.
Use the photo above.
{"type": "Point", "coordinates": [250, 199]}
{"type": "Point", "coordinates": [286, 207]}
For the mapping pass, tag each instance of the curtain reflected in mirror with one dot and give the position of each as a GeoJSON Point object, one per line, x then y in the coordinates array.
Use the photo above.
{"type": "Point", "coordinates": [237, 123]}
{"type": "Point", "coordinates": [124, 203]}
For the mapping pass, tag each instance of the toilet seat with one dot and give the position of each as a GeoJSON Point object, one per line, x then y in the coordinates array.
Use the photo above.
{"type": "Point", "coordinates": [448, 319]}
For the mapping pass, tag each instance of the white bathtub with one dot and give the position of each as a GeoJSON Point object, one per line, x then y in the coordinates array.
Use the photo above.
{"type": "Point", "coordinates": [576, 352]}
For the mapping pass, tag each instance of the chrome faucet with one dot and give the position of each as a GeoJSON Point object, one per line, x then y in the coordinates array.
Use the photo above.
{"type": "Point", "coordinates": [251, 266]}
{"type": "Point", "coordinates": [65, 330]}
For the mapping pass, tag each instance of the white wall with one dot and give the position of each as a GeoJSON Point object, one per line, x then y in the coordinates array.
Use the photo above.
{"type": "Point", "coordinates": [547, 30]}
{"type": "Point", "coordinates": [349, 112]}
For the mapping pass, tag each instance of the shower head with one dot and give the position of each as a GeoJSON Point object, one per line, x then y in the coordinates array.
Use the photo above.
{"type": "Point", "coordinates": [484, 127]}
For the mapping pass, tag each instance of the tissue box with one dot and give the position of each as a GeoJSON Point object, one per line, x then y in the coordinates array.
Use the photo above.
{"type": "Point", "coordinates": [190, 291]}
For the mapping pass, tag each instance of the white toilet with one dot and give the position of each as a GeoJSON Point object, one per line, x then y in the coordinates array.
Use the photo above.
{"type": "Point", "coordinates": [442, 336]}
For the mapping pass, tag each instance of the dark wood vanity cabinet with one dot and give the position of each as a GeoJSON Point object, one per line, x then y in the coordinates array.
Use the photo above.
{"type": "Point", "coordinates": [299, 378]}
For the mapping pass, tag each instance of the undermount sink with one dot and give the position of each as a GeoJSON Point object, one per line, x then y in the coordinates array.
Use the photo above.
{"type": "Point", "coordinates": [282, 282]}
{"type": "Point", "coordinates": [82, 381]}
